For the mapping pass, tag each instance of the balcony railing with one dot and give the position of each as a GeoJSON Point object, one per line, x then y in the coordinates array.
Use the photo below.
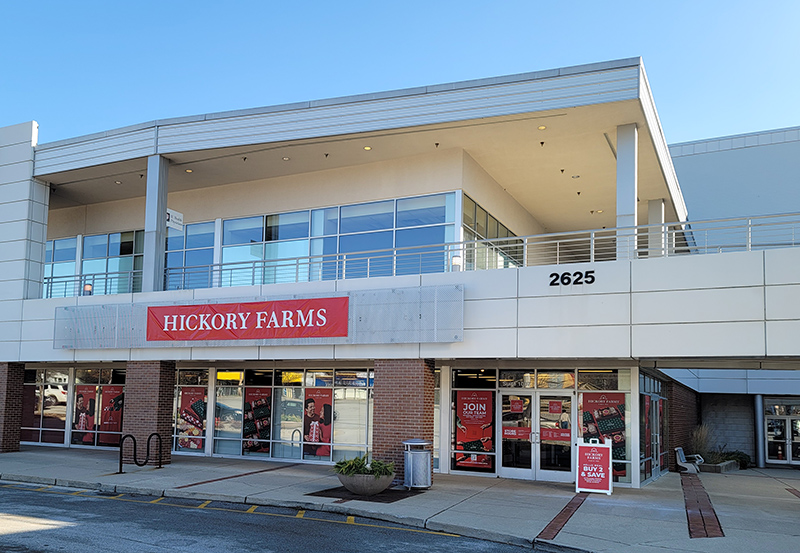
{"type": "Point", "coordinates": [705, 237]}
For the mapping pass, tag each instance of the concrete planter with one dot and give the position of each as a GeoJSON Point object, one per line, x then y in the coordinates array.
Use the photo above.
{"type": "Point", "coordinates": [365, 484]}
{"type": "Point", "coordinates": [725, 466]}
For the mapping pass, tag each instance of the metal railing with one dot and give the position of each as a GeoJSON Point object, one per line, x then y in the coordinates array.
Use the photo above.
{"type": "Point", "coordinates": [647, 241]}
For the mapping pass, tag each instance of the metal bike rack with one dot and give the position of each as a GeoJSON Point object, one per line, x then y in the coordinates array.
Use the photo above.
{"type": "Point", "coordinates": [147, 453]}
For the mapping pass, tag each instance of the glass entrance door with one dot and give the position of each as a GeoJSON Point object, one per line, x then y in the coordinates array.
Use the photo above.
{"type": "Point", "coordinates": [777, 451]}
{"type": "Point", "coordinates": [783, 440]}
{"type": "Point", "coordinates": [554, 439]}
{"type": "Point", "coordinates": [536, 436]}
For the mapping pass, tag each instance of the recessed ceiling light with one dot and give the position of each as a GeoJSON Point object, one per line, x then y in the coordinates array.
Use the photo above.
{"type": "Point", "coordinates": [188, 170]}
{"type": "Point", "coordinates": [576, 176]}
{"type": "Point", "coordinates": [286, 158]}
{"type": "Point", "coordinates": [368, 148]}
{"type": "Point", "coordinates": [599, 210]}
{"type": "Point", "coordinates": [117, 182]}
{"type": "Point", "coordinates": [542, 127]}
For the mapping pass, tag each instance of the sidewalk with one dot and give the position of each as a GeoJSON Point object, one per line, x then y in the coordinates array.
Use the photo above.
{"type": "Point", "coordinates": [754, 508]}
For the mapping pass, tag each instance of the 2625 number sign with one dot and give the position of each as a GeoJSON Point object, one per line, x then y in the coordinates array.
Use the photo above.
{"type": "Point", "coordinates": [578, 277]}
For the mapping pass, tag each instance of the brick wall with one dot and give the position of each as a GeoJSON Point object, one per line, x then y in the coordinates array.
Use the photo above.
{"type": "Point", "coordinates": [11, 376]}
{"type": "Point", "coordinates": [149, 393]}
{"type": "Point", "coordinates": [402, 407]}
{"type": "Point", "coordinates": [684, 416]}
{"type": "Point", "coordinates": [731, 420]}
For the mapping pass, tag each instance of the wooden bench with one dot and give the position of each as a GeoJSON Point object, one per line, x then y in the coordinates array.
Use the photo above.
{"type": "Point", "coordinates": [689, 462]}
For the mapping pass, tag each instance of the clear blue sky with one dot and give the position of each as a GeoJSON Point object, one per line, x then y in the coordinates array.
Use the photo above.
{"type": "Point", "coordinates": [716, 68]}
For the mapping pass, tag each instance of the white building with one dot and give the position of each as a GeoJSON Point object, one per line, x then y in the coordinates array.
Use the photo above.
{"type": "Point", "coordinates": [502, 267]}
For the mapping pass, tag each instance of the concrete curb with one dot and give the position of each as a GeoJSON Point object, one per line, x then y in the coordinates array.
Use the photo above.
{"type": "Point", "coordinates": [343, 509]}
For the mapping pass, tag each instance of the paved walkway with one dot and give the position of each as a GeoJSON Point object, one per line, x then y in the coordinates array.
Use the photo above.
{"type": "Point", "coordinates": [757, 509]}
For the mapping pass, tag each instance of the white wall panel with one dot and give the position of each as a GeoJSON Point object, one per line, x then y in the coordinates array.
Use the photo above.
{"type": "Point", "coordinates": [227, 353]}
{"type": "Point", "coordinates": [490, 314]}
{"type": "Point", "coordinates": [575, 342]}
{"type": "Point", "coordinates": [377, 351]}
{"type": "Point", "coordinates": [41, 350]}
{"type": "Point", "coordinates": [783, 338]}
{"type": "Point", "coordinates": [102, 355]}
{"type": "Point", "coordinates": [783, 302]}
{"type": "Point", "coordinates": [476, 344]}
{"type": "Point", "coordinates": [294, 352]}
{"type": "Point", "coordinates": [698, 340]}
{"type": "Point", "coordinates": [405, 281]}
{"type": "Point", "coordinates": [586, 310]}
{"type": "Point", "coordinates": [715, 305]}
{"type": "Point", "coordinates": [696, 272]}
{"type": "Point", "coordinates": [38, 330]}
{"type": "Point", "coordinates": [157, 354]}
{"type": "Point", "coordinates": [479, 285]}
{"type": "Point", "coordinates": [780, 266]}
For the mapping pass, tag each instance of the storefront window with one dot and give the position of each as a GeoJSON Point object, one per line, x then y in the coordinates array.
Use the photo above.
{"type": "Point", "coordinates": [653, 440]}
{"type": "Point", "coordinates": [191, 406]}
{"type": "Point", "coordinates": [99, 400]}
{"type": "Point", "coordinates": [44, 405]}
{"type": "Point", "coordinates": [319, 414]}
{"type": "Point", "coordinates": [605, 416]}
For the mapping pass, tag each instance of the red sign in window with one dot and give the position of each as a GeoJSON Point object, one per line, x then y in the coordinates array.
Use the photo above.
{"type": "Point", "coordinates": [516, 432]}
{"type": "Point", "coordinates": [304, 318]}
{"type": "Point", "coordinates": [556, 434]}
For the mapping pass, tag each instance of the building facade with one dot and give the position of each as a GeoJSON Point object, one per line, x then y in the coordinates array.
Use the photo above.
{"type": "Point", "coordinates": [503, 267]}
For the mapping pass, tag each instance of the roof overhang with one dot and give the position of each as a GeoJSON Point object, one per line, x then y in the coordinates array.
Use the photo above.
{"type": "Point", "coordinates": [496, 121]}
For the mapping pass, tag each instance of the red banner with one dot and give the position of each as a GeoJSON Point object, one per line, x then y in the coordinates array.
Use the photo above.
{"type": "Point", "coordinates": [111, 405]}
{"type": "Point", "coordinates": [554, 407]}
{"type": "Point", "coordinates": [594, 468]}
{"type": "Point", "coordinates": [517, 405]}
{"type": "Point", "coordinates": [305, 318]}
{"type": "Point", "coordinates": [192, 417]}
{"type": "Point", "coordinates": [474, 428]}
{"type": "Point", "coordinates": [317, 421]}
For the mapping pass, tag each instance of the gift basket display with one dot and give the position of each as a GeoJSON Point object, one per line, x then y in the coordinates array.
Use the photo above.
{"type": "Point", "coordinates": [608, 422]}
{"type": "Point", "coordinates": [256, 426]}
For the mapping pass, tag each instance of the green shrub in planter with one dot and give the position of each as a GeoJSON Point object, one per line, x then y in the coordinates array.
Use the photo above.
{"type": "Point", "coordinates": [359, 465]}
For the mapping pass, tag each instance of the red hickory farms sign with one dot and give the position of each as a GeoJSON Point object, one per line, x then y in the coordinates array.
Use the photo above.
{"type": "Point", "coordinates": [594, 468]}
{"type": "Point", "coordinates": [305, 318]}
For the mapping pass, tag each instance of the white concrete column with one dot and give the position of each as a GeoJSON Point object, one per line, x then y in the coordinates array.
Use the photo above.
{"type": "Point", "coordinates": [155, 224]}
{"type": "Point", "coordinates": [656, 235]}
{"type": "Point", "coordinates": [627, 189]}
{"type": "Point", "coordinates": [23, 231]}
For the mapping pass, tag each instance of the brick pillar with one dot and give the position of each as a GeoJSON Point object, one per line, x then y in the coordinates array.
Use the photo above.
{"type": "Point", "coordinates": [402, 407]}
{"type": "Point", "coordinates": [149, 393]}
{"type": "Point", "coordinates": [11, 375]}
{"type": "Point", "coordinates": [684, 415]}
